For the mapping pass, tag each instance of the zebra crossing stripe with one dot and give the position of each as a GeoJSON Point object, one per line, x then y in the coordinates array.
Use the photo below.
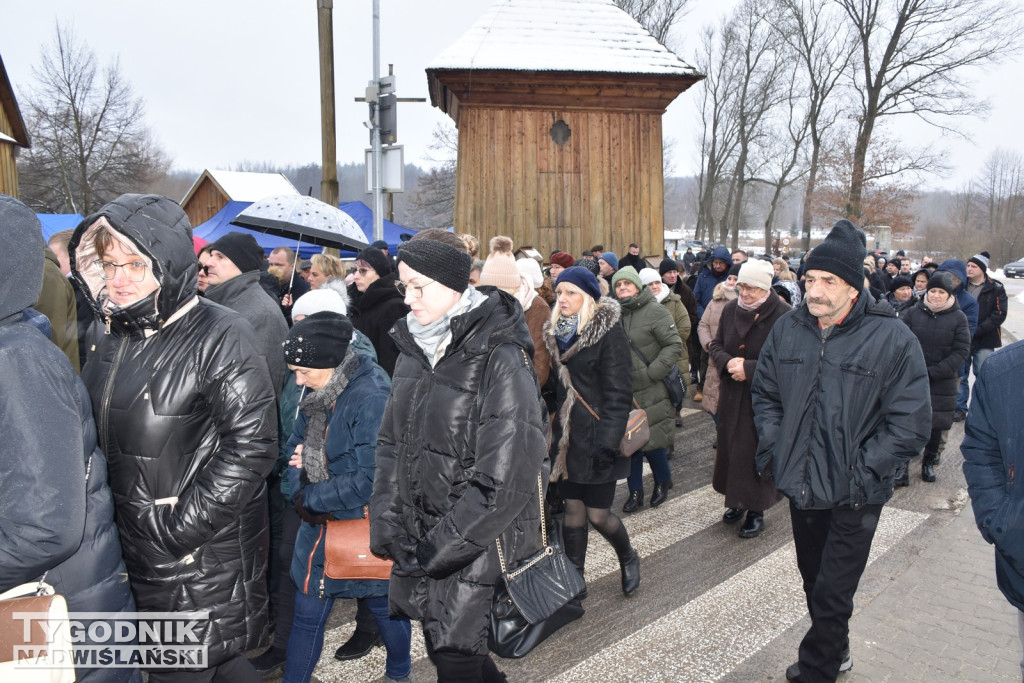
{"type": "Point", "coordinates": [711, 635]}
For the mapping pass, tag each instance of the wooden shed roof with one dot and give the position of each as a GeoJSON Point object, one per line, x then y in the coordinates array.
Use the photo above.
{"type": "Point", "coordinates": [18, 132]}
{"type": "Point", "coordinates": [243, 186]}
{"type": "Point", "coordinates": [560, 35]}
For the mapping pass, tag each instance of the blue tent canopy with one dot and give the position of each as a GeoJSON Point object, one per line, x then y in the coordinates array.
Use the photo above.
{"type": "Point", "coordinates": [220, 225]}
{"type": "Point", "coordinates": [55, 222]}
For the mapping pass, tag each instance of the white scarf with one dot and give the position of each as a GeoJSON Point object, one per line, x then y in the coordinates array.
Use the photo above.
{"type": "Point", "coordinates": [434, 337]}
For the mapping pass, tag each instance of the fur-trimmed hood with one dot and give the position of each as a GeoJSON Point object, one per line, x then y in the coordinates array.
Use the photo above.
{"type": "Point", "coordinates": [606, 315]}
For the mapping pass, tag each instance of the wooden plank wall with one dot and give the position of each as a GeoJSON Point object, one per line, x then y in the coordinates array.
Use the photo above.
{"type": "Point", "coordinates": [206, 201]}
{"type": "Point", "coordinates": [8, 170]}
{"type": "Point", "coordinates": [605, 185]}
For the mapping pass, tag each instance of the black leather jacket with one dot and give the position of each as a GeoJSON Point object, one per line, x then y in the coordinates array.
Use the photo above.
{"type": "Point", "coordinates": [187, 419]}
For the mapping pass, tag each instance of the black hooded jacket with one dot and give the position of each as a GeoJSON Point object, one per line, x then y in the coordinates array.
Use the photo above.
{"type": "Point", "coordinates": [460, 449]}
{"type": "Point", "coordinates": [56, 512]}
{"type": "Point", "coordinates": [376, 312]}
{"type": "Point", "coordinates": [187, 420]}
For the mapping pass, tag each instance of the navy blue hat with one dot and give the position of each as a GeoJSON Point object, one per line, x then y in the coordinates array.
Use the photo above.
{"type": "Point", "coordinates": [582, 278]}
{"type": "Point", "coordinates": [611, 258]}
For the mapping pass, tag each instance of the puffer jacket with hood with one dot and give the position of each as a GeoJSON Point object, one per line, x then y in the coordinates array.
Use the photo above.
{"type": "Point", "coordinates": [460, 449]}
{"type": "Point", "coordinates": [56, 511]}
{"type": "Point", "coordinates": [187, 420]}
{"type": "Point", "coordinates": [967, 303]}
{"type": "Point", "coordinates": [653, 331]}
{"type": "Point", "coordinates": [946, 345]}
{"type": "Point", "coordinates": [836, 414]}
{"type": "Point", "coordinates": [706, 280]}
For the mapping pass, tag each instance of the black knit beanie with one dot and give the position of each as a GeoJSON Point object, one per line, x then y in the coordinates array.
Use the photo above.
{"type": "Point", "coordinates": [440, 262]}
{"type": "Point", "coordinates": [734, 270]}
{"type": "Point", "coordinates": [842, 254]}
{"type": "Point", "coordinates": [318, 341]}
{"type": "Point", "coordinates": [900, 281]}
{"type": "Point", "coordinates": [941, 280]}
{"type": "Point", "coordinates": [242, 249]}
{"type": "Point", "coordinates": [377, 260]}
{"type": "Point", "coordinates": [667, 265]}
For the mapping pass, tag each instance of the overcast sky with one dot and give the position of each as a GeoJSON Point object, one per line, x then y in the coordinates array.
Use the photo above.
{"type": "Point", "coordinates": [227, 81]}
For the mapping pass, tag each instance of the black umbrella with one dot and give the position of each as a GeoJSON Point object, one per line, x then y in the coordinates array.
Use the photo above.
{"type": "Point", "coordinates": [303, 219]}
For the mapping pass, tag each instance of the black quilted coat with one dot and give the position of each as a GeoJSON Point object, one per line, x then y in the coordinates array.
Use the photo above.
{"type": "Point", "coordinates": [185, 410]}
{"type": "Point", "coordinates": [946, 342]}
{"type": "Point", "coordinates": [460, 449]}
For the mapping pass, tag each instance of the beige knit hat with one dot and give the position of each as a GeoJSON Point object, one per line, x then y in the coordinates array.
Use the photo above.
{"type": "Point", "coordinates": [500, 267]}
{"type": "Point", "coordinates": [757, 273]}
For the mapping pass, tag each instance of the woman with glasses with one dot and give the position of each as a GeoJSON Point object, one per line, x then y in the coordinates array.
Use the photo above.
{"type": "Point", "coordinates": [187, 422]}
{"type": "Point", "coordinates": [742, 330]}
{"type": "Point", "coordinates": [459, 454]}
{"type": "Point", "coordinates": [376, 306]}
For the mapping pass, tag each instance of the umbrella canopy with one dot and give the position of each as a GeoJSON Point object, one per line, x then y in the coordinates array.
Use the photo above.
{"type": "Point", "coordinates": [303, 218]}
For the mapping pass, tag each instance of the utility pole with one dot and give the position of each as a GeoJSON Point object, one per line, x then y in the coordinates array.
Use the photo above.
{"type": "Point", "coordinates": [329, 145]}
{"type": "Point", "coordinates": [378, 174]}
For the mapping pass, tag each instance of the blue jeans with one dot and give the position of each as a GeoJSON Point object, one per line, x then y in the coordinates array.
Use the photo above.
{"type": "Point", "coordinates": [659, 466]}
{"type": "Point", "coordinates": [963, 393]}
{"type": "Point", "coordinates": [307, 637]}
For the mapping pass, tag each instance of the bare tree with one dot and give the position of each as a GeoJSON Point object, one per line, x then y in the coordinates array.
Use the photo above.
{"type": "Point", "coordinates": [823, 47]}
{"type": "Point", "coordinates": [1001, 204]}
{"type": "Point", "coordinates": [432, 205]}
{"type": "Point", "coordinates": [90, 143]}
{"type": "Point", "coordinates": [657, 16]}
{"type": "Point", "coordinates": [912, 59]}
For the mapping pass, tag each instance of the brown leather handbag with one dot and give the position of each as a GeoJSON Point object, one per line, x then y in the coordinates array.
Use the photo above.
{"type": "Point", "coordinates": [43, 651]}
{"type": "Point", "coordinates": [638, 428]}
{"type": "Point", "coordinates": [347, 551]}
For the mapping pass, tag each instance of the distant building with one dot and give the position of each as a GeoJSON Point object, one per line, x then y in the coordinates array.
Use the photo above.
{"type": "Point", "coordinates": [559, 106]}
{"type": "Point", "coordinates": [214, 189]}
{"type": "Point", "coordinates": [13, 135]}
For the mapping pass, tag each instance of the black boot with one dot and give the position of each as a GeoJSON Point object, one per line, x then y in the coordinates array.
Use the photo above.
{"type": "Point", "coordinates": [660, 494]}
{"type": "Point", "coordinates": [574, 538]}
{"type": "Point", "coordinates": [928, 466]}
{"type": "Point", "coordinates": [634, 502]}
{"type": "Point", "coordinates": [902, 476]}
{"type": "Point", "coordinates": [629, 561]}
{"type": "Point", "coordinates": [733, 515]}
{"type": "Point", "coordinates": [753, 526]}
{"type": "Point", "coordinates": [358, 645]}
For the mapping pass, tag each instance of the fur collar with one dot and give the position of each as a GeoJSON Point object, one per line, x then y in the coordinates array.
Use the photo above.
{"type": "Point", "coordinates": [605, 317]}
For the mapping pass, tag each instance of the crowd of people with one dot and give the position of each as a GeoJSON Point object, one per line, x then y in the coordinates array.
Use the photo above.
{"type": "Point", "coordinates": [214, 407]}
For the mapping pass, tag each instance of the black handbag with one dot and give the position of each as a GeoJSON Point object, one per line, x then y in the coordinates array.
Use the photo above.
{"type": "Point", "coordinates": [674, 380]}
{"type": "Point", "coordinates": [535, 599]}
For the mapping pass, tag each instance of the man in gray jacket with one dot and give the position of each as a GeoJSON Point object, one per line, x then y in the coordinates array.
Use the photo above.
{"type": "Point", "coordinates": [840, 399]}
{"type": "Point", "coordinates": [233, 273]}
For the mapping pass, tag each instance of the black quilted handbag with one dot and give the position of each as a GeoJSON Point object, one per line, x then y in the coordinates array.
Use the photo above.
{"type": "Point", "coordinates": [535, 599]}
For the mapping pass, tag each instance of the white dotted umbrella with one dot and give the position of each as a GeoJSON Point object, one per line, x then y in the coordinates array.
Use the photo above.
{"type": "Point", "coordinates": [304, 219]}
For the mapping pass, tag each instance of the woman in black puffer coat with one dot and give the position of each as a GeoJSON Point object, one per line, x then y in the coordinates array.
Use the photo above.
{"type": "Point", "coordinates": [460, 451]}
{"type": "Point", "coordinates": [187, 421]}
{"type": "Point", "coordinates": [941, 327]}
{"type": "Point", "coordinates": [56, 513]}
{"type": "Point", "coordinates": [590, 358]}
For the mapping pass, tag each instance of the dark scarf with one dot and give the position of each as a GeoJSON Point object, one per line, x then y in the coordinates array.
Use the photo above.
{"type": "Point", "coordinates": [565, 330]}
{"type": "Point", "coordinates": [315, 406]}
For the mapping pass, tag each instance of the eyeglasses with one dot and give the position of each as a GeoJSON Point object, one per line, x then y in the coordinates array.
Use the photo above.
{"type": "Point", "coordinates": [417, 290]}
{"type": "Point", "coordinates": [205, 270]}
{"type": "Point", "coordinates": [133, 270]}
{"type": "Point", "coordinates": [364, 271]}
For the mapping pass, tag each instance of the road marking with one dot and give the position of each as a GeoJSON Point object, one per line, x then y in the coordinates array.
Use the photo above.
{"type": "Point", "coordinates": [651, 530]}
{"type": "Point", "coordinates": [711, 635]}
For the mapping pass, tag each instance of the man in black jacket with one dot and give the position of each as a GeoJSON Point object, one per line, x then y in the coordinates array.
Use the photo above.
{"type": "Point", "coordinates": [992, 304]}
{"type": "Point", "coordinates": [840, 399]}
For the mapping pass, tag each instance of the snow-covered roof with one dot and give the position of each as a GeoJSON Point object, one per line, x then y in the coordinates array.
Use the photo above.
{"type": "Point", "coordinates": [560, 35]}
{"type": "Point", "coordinates": [244, 186]}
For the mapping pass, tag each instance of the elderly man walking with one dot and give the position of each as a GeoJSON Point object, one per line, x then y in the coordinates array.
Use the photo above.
{"type": "Point", "coordinates": [840, 399]}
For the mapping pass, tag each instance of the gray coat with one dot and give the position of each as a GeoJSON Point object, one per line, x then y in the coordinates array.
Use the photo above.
{"type": "Point", "coordinates": [244, 295]}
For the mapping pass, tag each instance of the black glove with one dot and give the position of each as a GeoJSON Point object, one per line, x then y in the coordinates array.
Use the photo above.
{"type": "Point", "coordinates": [308, 516]}
{"type": "Point", "coordinates": [403, 553]}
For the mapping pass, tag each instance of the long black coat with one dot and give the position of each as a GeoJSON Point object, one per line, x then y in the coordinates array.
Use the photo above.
{"type": "Point", "coordinates": [375, 313]}
{"type": "Point", "coordinates": [598, 366]}
{"type": "Point", "coordinates": [741, 334]}
{"type": "Point", "coordinates": [946, 343]}
{"type": "Point", "coordinates": [460, 449]}
{"type": "Point", "coordinates": [187, 420]}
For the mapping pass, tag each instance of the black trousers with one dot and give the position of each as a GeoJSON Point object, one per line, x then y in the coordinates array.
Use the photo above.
{"type": "Point", "coordinates": [832, 549]}
{"type": "Point", "coordinates": [456, 667]}
{"type": "Point", "coordinates": [283, 598]}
